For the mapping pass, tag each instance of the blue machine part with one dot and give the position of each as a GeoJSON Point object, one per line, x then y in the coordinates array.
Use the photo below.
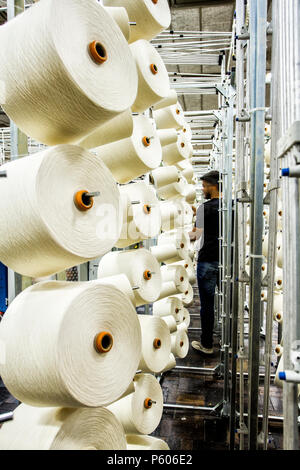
{"type": "Point", "coordinates": [3, 288]}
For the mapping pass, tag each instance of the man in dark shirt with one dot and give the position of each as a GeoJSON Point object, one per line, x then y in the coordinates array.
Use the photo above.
{"type": "Point", "coordinates": [207, 226]}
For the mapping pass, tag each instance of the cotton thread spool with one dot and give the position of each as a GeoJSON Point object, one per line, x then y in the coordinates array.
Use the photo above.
{"type": "Point", "coordinates": [164, 175]}
{"type": "Point", "coordinates": [170, 217]}
{"type": "Point", "coordinates": [54, 110]}
{"type": "Point", "coordinates": [60, 346]}
{"type": "Point", "coordinates": [180, 237]}
{"type": "Point", "coordinates": [168, 306]}
{"type": "Point", "coordinates": [120, 15]}
{"type": "Point", "coordinates": [139, 442]}
{"type": "Point", "coordinates": [188, 265]}
{"type": "Point", "coordinates": [129, 158]}
{"type": "Point", "coordinates": [170, 322]}
{"type": "Point", "coordinates": [171, 99]}
{"type": "Point", "coordinates": [190, 194]}
{"type": "Point", "coordinates": [264, 295]}
{"type": "Point", "coordinates": [186, 317]}
{"type": "Point", "coordinates": [35, 428]}
{"type": "Point", "coordinates": [122, 283]}
{"type": "Point", "coordinates": [171, 364]}
{"type": "Point", "coordinates": [278, 307]}
{"type": "Point", "coordinates": [179, 344]}
{"type": "Point", "coordinates": [187, 296]}
{"type": "Point", "coordinates": [153, 78]}
{"type": "Point", "coordinates": [156, 343]}
{"type": "Point", "coordinates": [167, 136]}
{"type": "Point", "coordinates": [176, 274]}
{"type": "Point", "coordinates": [279, 250]}
{"type": "Point", "coordinates": [278, 278]}
{"type": "Point", "coordinates": [170, 117]}
{"type": "Point", "coordinates": [267, 153]}
{"type": "Point", "coordinates": [267, 130]}
{"type": "Point", "coordinates": [170, 288]}
{"type": "Point", "coordinates": [174, 153]}
{"type": "Point", "coordinates": [168, 253]}
{"type": "Point", "coordinates": [173, 190]}
{"type": "Point", "coordinates": [182, 327]}
{"type": "Point", "coordinates": [151, 17]}
{"type": "Point", "coordinates": [186, 212]}
{"type": "Point", "coordinates": [141, 411]}
{"type": "Point", "coordinates": [134, 264]}
{"type": "Point", "coordinates": [278, 350]}
{"type": "Point", "coordinates": [188, 172]}
{"type": "Point", "coordinates": [118, 128]}
{"type": "Point", "coordinates": [38, 207]}
{"type": "Point", "coordinates": [141, 216]}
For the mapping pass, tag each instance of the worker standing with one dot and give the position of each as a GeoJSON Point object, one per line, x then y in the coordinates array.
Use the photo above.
{"type": "Point", "coordinates": [207, 227]}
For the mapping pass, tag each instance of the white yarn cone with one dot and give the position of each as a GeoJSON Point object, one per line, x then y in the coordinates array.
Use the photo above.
{"type": "Point", "coordinates": [122, 283]}
{"type": "Point", "coordinates": [118, 128]}
{"type": "Point", "coordinates": [62, 429]}
{"type": "Point", "coordinates": [170, 117]}
{"type": "Point", "coordinates": [186, 317]}
{"type": "Point", "coordinates": [188, 265]}
{"type": "Point", "coordinates": [170, 217]}
{"type": "Point", "coordinates": [170, 288]}
{"type": "Point", "coordinates": [141, 216]}
{"type": "Point", "coordinates": [170, 322]}
{"type": "Point", "coordinates": [59, 93]}
{"type": "Point", "coordinates": [156, 343]}
{"type": "Point", "coordinates": [187, 297]}
{"type": "Point", "coordinates": [167, 136]}
{"type": "Point", "coordinates": [169, 306]}
{"type": "Point", "coordinates": [171, 364]}
{"type": "Point", "coordinates": [171, 99]}
{"type": "Point", "coordinates": [164, 175]}
{"type": "Point", "coordinates": [182, 326]}
{"type": "Point", "coordinates": [55, 332]}
{"type": "Point", "coordinates": [138, 442]}
{"type": "Point", "coordinates": [132, 157]}
{"type": "Point", "coordinates": [153, 76]}
{"type": "Point", "coordinates": [141, 411]}
{"type": "Point", "coordinates": [185, 211]}
{"type": "Point", "coordinates": [278, 307]}
{"type": "Point", "coordinates": [179, 344]}
{"type": "Point", "coordinates": [190, 194]}
{"type": "Point", "coordinates": [176, 274]}
{"type": "Point", "coordinates": [173, 190]}
{"type": "Point", "coordinates": [51, 231]}
{"type": "Point", "coordinates": [168, 253]}
{"type": "Point", "coordinates": [174, 153]}
{"type": "Point", "coordinates": [150, 17]}
{"type": "Point", "coordinates": [120, 15]}
{"type": "Point", "coordinates": [180, 237]}
{"type": "Point", "coordinates": [141, 269]}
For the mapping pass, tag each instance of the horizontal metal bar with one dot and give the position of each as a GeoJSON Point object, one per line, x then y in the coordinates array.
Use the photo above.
{"type": "Point", "coordinates": [188, 407]}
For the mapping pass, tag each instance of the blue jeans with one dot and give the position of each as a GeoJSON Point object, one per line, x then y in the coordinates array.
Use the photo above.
{"type": "Point", "coordinates": [207, 276]}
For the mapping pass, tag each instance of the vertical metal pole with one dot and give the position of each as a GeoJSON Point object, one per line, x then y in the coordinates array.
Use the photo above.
{"type": "Point", "coordinates": [19, 147]}
{"type": "Point", "coordinates": [271, 263]}
{"type": "Point", "coordinates": [288, 72]}
{"type": "Point", "coordinates": [258, 25]}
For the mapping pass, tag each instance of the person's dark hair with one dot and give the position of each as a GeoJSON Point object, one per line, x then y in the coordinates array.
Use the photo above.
{"type": "Point", "coordinates": [212, 177]}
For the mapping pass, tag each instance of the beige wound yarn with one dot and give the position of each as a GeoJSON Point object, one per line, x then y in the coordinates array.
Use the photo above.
{"type": "Point", "coordinates": [139, 442]}
{"type": "Point", "coordinates": [120, 15]}
{"type": "Point", "coordinates": [129, 158]}
{"type": "Point", "coordinates": [134, 264]}
{"type": "Point", "coordinates": [37, 206]}
{"type": "Point", "coordinates": [121, 282]}
{"type": "Point", "coordinates": [58, 93]}
{"type": "Point", "coordinates": [150, 18]}
{"type": "Point", "coordinates": [178, 237]}
{"type": "Point", "coordinates": [36, 428]}
{"type": "Point", "coordinates": [176, 274]}
{"type": "Point", "coordinates": [182, 326]}
{"type": "Point", "coordinates": [167, 136]}
{"type": "Point", "coordinates": [170, 117]}
{"type": "Point", "coordinates": [131, 410]}
{"type": "Point", "coordinates": [153, 328]}
{"type": "Point", "coordinates": [185, 212]}
{"type": "Point", "coordinates": [170, 322]}
{"type": "Point", "coordinates": [164, 175]}
{"type": "Point", "coordinates": [169, 306]}
{"type": "Point", "coordinates": [187, 297]}
{"type": "Point", "coordinates": [175, 152]}
{"type": "Point", "coordinates": [142, 215]}
{"type": "Point", "coordinates": [118, 128]}
{"type": "Point", "coordinates": [168, 253]}
{"type": "Point", "coordinates": [170, 217]}
{"type": "Point", "coordinates": [179, 343]}
{"type": "Point", "coordinates": [173, 190]}
{"type": "Point", "coordinates": [186, 317]}
{"type": "Point", "coordinates": [188, 265]}
{"type": "Point", "coordinates": [170, 288]}
{"type": "Point", "coordinates": [172, 98]}
{"type": "Point", "coordinates": [190, 194]}
{"type": "Point", "coordinates": [47, 339]}
{"type": "Point", "coordinates": [152, 87]}
{"type": "Point", "coordinates": [171, 364]}
{"type": "Point", "coordinates": [188, 172]}
{"type": "Point", "coordinates": [278, 307]}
